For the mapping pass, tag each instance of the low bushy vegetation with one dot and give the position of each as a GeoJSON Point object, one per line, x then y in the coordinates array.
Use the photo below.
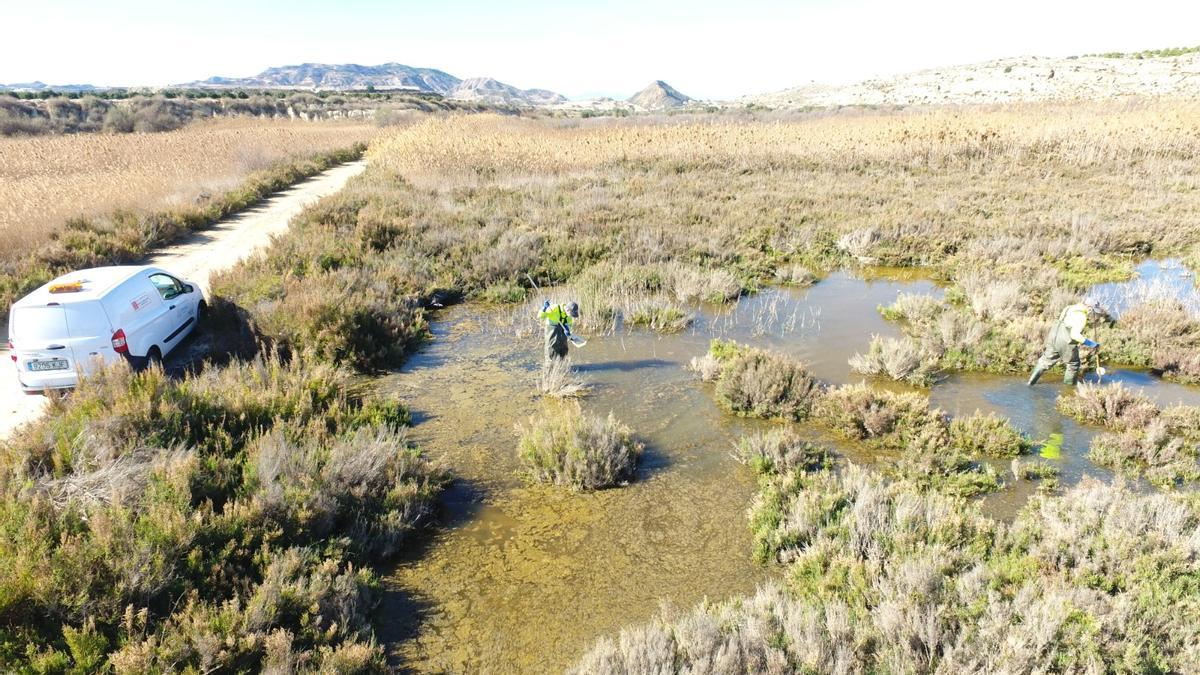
{"type": "Point", "coordinates": [223, 521]}
{"type": "Point", "coordinates": [780, 450]}
{"type": "Point", "coordinates": [1161, 444]}
{"type": "Point", "coordinates": [1158, 333]}
{"type": "Point", "coordinates": [880, 577]}
{"type": "Point", "coordinates": [931, 450]}
{"type": "Point", "coordinates": [706, 367]}
{"type": "Point", "coordinates": [924, 444]}
{"type": "Point", "coordinates": [565, 446]}
{"type": "Point", "coordinates": [660, 296]}
{"type": "Point", "coordinates": [1110, 405]}
{"type": "Point", "coordinates": [755, 383]}
{"type": "Point", "coordinates": [900, 359]}
{"type": "Point", "coordinates": [1043, 471]}
{"type": "Point", "coordinates": [1165, 52]}
{"type": "Point", "coordinates": [645, 220]}
{"type": "Point", "coordinates": [1166, 455]}
{"type": "Point", "coordinates": [989, 435]}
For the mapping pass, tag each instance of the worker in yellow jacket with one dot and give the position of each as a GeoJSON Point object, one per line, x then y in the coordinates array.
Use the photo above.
{"type": "Point", "coordinates": [1064, 339]}
{"type": "Point", "coordinates": [558, 327]}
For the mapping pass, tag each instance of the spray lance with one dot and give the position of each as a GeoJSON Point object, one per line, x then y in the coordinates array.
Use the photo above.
{"type": "Point", "coordinates": [574, 339]}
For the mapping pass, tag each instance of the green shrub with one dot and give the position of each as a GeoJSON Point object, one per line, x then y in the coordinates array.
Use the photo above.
{"type": "Point", "coordinates": [989, 435]}
{"type": "Point", "coordinates": [889, 419]}
{"type": "Point", "coordinates": [755, 383]}
{"type": "Point", "coordinates": [930, 452]}
{"type": "Point", "coordinates": [146, 520]}
{"type": "Point", "coordinates": [566, 447]}
{"type": "Point", "coordinates": [1034, 470]}
{"type": "Point", "coordinates": [780, 451]}
{"type": "Point", "coordinates": [1111, 405]}
{"type": "Point", "coordinates": [1163, 454]}
{"type": "Point", "coordinates": [900, 359]}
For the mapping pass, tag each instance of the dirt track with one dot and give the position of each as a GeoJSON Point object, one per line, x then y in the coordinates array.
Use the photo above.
{"type": "Point", "coordinates": [195, 259]}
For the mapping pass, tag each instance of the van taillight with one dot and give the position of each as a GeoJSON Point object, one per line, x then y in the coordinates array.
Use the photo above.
{"type": "Point", "coordinates": [118, 340]}
{"type": "Point", "coordinates": [12, 349]}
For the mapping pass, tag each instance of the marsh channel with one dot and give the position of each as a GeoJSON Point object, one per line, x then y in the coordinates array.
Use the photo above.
{"type": "Point", "coordinates": [523, 578]}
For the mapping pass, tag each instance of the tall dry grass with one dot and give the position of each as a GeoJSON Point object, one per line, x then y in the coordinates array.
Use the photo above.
{"type": "Point", "coordinates": [1082, 135]}
{"type": "Point", "coordinates": [46, 180]}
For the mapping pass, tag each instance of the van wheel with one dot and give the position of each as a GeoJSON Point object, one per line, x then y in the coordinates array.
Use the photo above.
{"type": "Point", "coordinates": [154, 358]}
{"type": "Point", "coordinates": [201, 316]}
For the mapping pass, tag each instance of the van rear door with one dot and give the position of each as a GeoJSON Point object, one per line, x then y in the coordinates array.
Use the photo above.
{"type": "Point", "coordinates": [90, 335]}
{"type": "Point", "coordinates": [41, 344]}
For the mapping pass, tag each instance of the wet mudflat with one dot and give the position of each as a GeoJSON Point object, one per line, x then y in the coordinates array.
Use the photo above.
{"type": "Point", "coordinates": [525, 578]}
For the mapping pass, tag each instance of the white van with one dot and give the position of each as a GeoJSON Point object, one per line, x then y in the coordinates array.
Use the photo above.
{"type": "Point", "coordinates": [90, 317]}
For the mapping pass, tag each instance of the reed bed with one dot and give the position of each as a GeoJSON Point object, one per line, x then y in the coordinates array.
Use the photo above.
{"type": "Point", "coordinates": [46, 180]}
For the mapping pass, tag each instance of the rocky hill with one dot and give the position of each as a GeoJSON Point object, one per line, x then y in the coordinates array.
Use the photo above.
{"type": "Point", "coordinates": [659, 95]}
{"type": "Point", "coordinates": [1027, 78]}
{"type": "Point", "coordinates": [492, 91]}
{"type": "Point", "coordinates": [386, 76]}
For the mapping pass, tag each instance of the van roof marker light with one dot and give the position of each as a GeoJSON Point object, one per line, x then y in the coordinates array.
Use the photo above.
{"type": "Point", "coordinates": [68, 287]}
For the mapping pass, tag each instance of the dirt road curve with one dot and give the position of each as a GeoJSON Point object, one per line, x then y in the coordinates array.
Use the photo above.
{"type": "Point", "coordinates": [194, 259]}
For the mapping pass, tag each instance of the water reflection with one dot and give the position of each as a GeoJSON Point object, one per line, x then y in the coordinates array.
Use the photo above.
{"type": "Point", "coordinates": [1168, 279]}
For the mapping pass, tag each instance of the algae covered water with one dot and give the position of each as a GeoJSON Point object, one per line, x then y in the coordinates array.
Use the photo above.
{"type": "Point", "coordinates": [525, 578]}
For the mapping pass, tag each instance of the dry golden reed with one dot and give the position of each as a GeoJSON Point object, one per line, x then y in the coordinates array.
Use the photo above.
{"type": "Point", "coordinates": [45, 180]}
{"type": "Point", "coordinates": [487, 146]}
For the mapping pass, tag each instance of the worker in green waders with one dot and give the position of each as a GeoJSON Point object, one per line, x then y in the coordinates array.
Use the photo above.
{"type": "Point", "coordinates": [1064, 340]}
{"type": "Point", "coordinates": [558, 328]}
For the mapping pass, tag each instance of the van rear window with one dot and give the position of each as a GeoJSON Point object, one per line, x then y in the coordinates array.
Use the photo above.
{"type": "Point", "coordinates": [39, 323]}
{"type": "Point", "coordinates": [87, 320]}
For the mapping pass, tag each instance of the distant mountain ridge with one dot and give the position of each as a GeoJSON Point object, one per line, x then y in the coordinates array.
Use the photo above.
{"type": "Point", "coordinates": [42, 86]}
{"type": "Point", "coordinates": [385, 76]}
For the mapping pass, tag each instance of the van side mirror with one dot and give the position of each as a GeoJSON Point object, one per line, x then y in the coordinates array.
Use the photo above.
{"type": "Point", "coordinates": [188, 288]}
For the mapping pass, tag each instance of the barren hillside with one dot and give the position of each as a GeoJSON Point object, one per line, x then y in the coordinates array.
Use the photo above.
{"type": "Point", "coordinates": [1024, 78]}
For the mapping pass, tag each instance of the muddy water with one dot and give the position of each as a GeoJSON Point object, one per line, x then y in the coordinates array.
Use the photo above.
{"type": "Point", "coordinates": [519, 578]}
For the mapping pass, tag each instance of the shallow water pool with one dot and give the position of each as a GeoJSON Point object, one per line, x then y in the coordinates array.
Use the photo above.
{"type": "Point", "coordinates": [526, 578]}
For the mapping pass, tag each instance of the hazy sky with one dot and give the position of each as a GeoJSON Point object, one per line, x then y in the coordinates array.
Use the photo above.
{"type": "Point", "coordinates": [703, 48]}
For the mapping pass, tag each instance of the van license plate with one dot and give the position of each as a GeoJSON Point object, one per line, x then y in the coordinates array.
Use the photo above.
{"type": "Point", "coordinates": [53, 364]}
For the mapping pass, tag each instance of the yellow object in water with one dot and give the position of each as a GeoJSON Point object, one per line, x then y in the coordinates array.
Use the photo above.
{"type": "Point", "coordinates": [1052, 447]}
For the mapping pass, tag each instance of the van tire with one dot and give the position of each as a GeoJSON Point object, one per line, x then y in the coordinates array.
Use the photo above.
{"type": "Point", "coordinates": [153, 358]}
{"type": "Point", "coordinates": [201, 316]}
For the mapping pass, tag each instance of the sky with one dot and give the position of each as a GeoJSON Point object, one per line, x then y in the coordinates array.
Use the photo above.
{"type": "Point", "coordinates": [706, 49]}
